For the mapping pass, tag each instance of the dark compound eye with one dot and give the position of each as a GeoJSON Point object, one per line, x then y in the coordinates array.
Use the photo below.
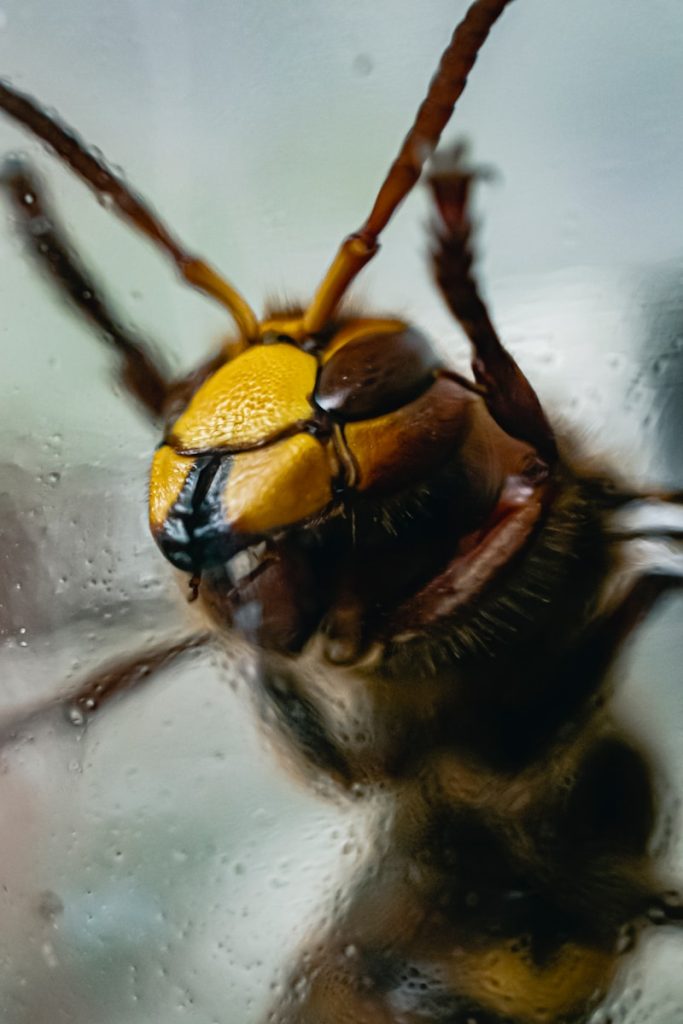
{"type": "Point", "coordinates": [375, 375]}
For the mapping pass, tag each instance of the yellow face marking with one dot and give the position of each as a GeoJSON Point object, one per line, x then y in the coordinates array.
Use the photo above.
{"type": "Point", "coordinates": [363, 327]}
{"type": "Point", "coordinates": [168, 474]}
{"type": "Point", "coordinates": [278, 485]}
{"type": "Point", "coordinates": [260, 393]}
{"type": "Point", "coordinates": [506, 980]}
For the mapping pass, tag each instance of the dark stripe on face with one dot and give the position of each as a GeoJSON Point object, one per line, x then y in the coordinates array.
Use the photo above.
{"type": "Point", "coordinates": [195, 534]}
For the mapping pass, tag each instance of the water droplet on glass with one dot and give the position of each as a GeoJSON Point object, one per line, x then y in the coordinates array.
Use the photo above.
{"type": "Point", "coordinates": [49, 955]}
{"type": "Point", "coordinates": [363, 65]}
{"type": "Point", "coordinates": [75, 715]}
{"type": "Point", "coordinates": [50, 905]}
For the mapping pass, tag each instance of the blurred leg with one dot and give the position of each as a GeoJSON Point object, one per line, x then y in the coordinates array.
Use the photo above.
{"type": "Point", "coordinates": [102, 686]}
{"type": "Point", "coordinates": [509, 396]}
{"type": "Point", "coordinates": [139, 372]}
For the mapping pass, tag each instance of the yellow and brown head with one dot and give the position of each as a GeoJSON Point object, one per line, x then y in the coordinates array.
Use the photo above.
{"type": "Point", "coordinates": [285, 433]}
{"type": "Point", "coordinates": [354, 455]}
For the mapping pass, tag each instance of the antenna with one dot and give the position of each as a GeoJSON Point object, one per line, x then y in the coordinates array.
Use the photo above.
{"type": "Point", "coordinates": [444, 90]}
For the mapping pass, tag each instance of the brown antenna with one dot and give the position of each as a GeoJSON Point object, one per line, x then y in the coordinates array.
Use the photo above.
{"type": "Point", "coordinates": [432, 117]}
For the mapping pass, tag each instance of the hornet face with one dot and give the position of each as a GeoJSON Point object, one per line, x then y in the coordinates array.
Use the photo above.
{"type": "Point", "coordinates": [312, 464]}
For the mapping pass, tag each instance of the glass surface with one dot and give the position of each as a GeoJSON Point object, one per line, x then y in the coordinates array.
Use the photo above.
{"type": "Point", "coordinates": [161, 864]}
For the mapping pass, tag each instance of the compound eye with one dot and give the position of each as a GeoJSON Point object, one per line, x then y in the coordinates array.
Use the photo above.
{"type": "Point", "coordinates": [376, 374]}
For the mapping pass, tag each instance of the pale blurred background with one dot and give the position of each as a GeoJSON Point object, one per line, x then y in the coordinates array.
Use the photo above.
{"type": "Point", "coordinates": [160, 866]}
